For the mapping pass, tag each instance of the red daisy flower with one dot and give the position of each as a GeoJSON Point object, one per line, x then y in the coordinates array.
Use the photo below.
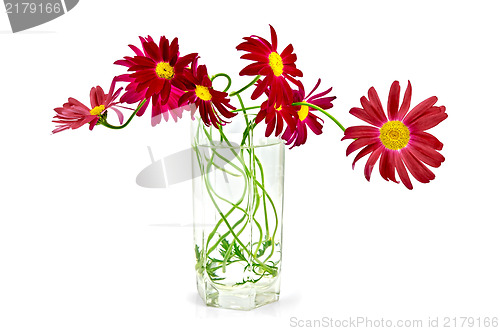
{"type": "Point", "coordinates": [159, 110]}
{"type": "Point", "coordinates": [274, 116]}
{"type": "Point", "coordinates": [200, 92]}
{"type": "Point", "coordinates": [74, 114]}
{"type": "Point", "coordinates": [159, 75]}
{"type": "Point", "coordinates": [400, 141]}
{"type": "Point", "coordinates": [306, 117]}
{"type": "Point", "coordinates": [278, 69]}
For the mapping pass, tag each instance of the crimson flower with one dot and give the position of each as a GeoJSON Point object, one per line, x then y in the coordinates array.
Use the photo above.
{"type": "Point", "coordinates": [306, 117]}
{"type": "Point", "coordinates": [278, 69]}
{"type": "Point", "coordinates": [74, 114]}
{"type": "Point", "coordinates": [274, 116]}
{"type": "Point", "coordinates": [159, 111]}
{"type": "Point", "coordinates": [399, 140]}
{"type": "Point", "coordinates": [158, 75]}
{"type": "Point", "coordinates": [200, 92]}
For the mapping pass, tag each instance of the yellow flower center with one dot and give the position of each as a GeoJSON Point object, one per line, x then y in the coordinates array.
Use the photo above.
{"type": "Point", "coordinates": [394, 135]}
{"type": "Point", "coordinates": [276, 63]}
{"type": "Point", "coordinates": [303, 112]}
{"type": "Point", "coordinates": [164, 70]}
{"type": "Point", "coordinates": [203, 93]}
{"type": "Point", "coordinates": [97, 110]}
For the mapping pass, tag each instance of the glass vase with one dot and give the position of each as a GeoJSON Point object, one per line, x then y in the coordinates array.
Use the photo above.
{"type": "Point", "coordinates": [237, 209]}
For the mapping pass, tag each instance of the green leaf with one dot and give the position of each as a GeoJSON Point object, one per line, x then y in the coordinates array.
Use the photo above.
{"type": "Point", "coordinates": [238, 252]}
{"type": "Point", "coordinates": [265, 245]}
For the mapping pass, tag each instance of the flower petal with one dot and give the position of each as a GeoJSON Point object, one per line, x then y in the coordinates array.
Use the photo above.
{"type": "Point", "coordinates": [370, 163]}
{"type": "Point", "coordinates": [405, 105]}
{"type": "Point", "coordinates": [393, 101]}
{"type": "Point", "coordinates": [427, 139]}
{"type": "Point", "coordinates": [361, 131]}
{"type": "Point", "coordinates": [416, 168]}
{"type": "Point", "coordinates": [387, 165]}
{"type": "Point", "coordinates": [402, 173]}
{"type": "Point", "coordinates": [274, 39]}
{"type": "Point", "coordinates": [358, 143]}
{"type": "Point", "coordinates": [372, 112]}
{"type": "Point", "coordinates": [377, 106]}
{"type": "Point", "coordinates": [93, 98]}
{"type": "Point", "coordinates": [426, 154]}
{"type": "Point", "coordinates": [419, 109]}
{"type": "Point", "coordinates": [363, 115]}
{"type": "Point", "coordinates": [365, 151]}
{"type": "Point", "coordinates": [427, 122]}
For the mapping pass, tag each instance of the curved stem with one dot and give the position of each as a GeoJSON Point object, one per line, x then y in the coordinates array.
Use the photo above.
{"type": "Point", "coordinates": [106, 124]}
{"type": "Point", "coordinates": [227, 77]}
{"type": "Point", "coordinates": [235, 236]}
{"type": "Point", "coordinates": [245, 109]}
{"type": "Point", "coordinates": [230, 249]}
{"type": "Point", "coordinates": [321, 110]}
{"type": "Point", "coordinates": [234, 206]}
{"type": "Point", "coordinates": [261, 186]}
{"type": "Point", "coordinates": [264, 198]}
{"type": "Point", "coordinates": [214, 231]}
{"type": "Point", "coordinates": [248, 128]}
{"type": "Point", "coordinates": [245, 87]}
{"type": "Point", "coordinates": [251, 175]}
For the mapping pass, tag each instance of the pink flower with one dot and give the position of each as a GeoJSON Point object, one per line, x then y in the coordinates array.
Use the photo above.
{"type": "Point", "coordinates": [275, 117]}
{"type": "Point", "coordinates": [306, 116]}
{"type": "Point", "coordinates": [277, 68]}
{"type": "Point", "coordinates": [74, 114]}
{"type": "Point", "coordinates": [158, 77]}
{"type": "Point", "coordinates": [212, 105]}
{"type": "Point", "coordinates": [399, 140]}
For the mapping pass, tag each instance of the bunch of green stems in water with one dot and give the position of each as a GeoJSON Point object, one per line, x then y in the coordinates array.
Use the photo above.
{"type": "Point", "coordinates": [259, 258]}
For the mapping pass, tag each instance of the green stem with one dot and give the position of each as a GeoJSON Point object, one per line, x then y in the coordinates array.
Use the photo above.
{"type": "Point", "coordinates": [321, 110]}
{"type": "Point", "coordinates": [249, 128]}
{"type": "Point", "coordinates": [245, 87]}
{"type": "Point", "coordinates": [231, 229]}
{"type": "Point", "coordinates": [235, 236]}
{"type": "Point", "coordinates": [264, 197]}
{"type": "Point", "coordinates": [106, 124]}
{"type": "Point", "coordinates": [251, 175]}
{"type": "Point", "coordinates": [222, 169]}
{"type": "Point", "coordinates": [247, 131]}
{"type": "Point", "coordinates": [227, 77]}
{"type": "Point", "coordinates": [209, 186]}
{"type": "Point", "coordinates": [276, 215]}
{"type": "Point", "coordinates": [261, 186]}
{"type": "Point", "coordinates": [245, 109]}
{"type": "Point", "coordinates": [235, 206]}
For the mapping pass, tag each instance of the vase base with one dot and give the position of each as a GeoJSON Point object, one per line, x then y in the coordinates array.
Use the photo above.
{"type": "Point", "coordinates": [242, 297]}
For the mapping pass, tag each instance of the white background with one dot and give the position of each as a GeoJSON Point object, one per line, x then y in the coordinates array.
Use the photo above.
{"type": "Point", "coordinates": [82, 247]}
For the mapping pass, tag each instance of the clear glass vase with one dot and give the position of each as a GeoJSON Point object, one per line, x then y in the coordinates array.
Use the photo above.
{"type": "Point", "coordinates": [237, 206]}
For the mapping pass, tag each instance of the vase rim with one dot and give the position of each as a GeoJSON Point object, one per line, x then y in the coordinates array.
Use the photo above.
{"type": "Point", "coordinates": [259, 144]}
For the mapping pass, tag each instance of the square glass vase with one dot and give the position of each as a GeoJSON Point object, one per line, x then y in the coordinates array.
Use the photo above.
{"type": "Point", "coordinates": [237, 210]}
